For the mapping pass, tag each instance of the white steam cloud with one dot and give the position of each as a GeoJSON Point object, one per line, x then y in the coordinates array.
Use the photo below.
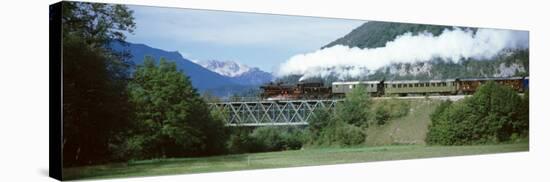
{"type": "Point", "coordinates": [451, 45]}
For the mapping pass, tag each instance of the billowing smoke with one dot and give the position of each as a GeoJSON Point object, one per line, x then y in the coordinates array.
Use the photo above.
{"type": "Point", "coordinates": [451, 45]}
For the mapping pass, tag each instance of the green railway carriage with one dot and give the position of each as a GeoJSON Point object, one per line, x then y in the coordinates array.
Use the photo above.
{"type": "Point", "coordinates": [418, 87]}
{"type": "Point", "coordinates": [316, 90]}
{"type": "Point", "coordinates": [373, 87]}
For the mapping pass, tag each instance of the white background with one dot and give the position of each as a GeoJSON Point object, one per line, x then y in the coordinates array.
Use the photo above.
{"type": "Point", "coordinates": [24, 93]}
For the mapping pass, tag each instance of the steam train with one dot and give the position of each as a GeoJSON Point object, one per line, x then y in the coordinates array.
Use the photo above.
{"type": "Point", "coordinates": [316, 90]}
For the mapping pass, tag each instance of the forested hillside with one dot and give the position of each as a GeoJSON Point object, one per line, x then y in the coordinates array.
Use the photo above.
{"type": "Point", "coordinates": [375, 34]}
{"type": "Point", "coordinates": [513, 63]}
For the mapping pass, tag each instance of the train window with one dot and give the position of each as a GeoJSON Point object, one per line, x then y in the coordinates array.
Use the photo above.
{"type": "Point", "coordinates": [444, 84]}
{"type": "Point", "coordinates": [336, 86]}
{"type": "Point", "coordinates": [433, 84]}
{"type": "Point", "coordinates": [392, 86]}
{"type": "Point", "coordinates": [398, 85]}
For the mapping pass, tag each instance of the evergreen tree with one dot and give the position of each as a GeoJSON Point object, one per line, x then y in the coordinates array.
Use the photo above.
{"type": "Point", "coordinates": [355, 108]}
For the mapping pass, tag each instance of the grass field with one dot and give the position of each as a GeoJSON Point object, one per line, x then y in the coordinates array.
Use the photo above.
{"type": "Point", "coordinates": [409, 129]}
{"type": "Point", "coordinates": [305, 157]}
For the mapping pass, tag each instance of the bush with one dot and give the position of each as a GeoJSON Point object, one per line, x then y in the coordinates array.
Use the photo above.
{"type": "Point", "coordinates": [388, 109]}
{"type": "Point", "coordinates": [278, 138]}
{"type": "Point", "coordinates": [381, 115]}
{"type": "Point", "coordinates": [492, 114]}
{"type": "Point", "coordinates": [341, 134]}
{"type": "Point", "coordinates": [264, 139]}
{"type": "Point", "coordinates": [241, 142]}
{"type": "Point", "coordinates": [349, 135]}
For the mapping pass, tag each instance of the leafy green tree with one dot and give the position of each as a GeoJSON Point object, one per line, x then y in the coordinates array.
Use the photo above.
{"type": "Point", "coordinates": [95, 102]}
{"type": "Point", "coordinates": [355, 109]}
{"type": "Point", "coordinates": [438, 127]}
{"type": "Point", "coordinates": [97, 23]}
{"type": "Point", "coordinates": [173, 119]}
{"type": "Point", "coordinates": [346, 126]}
{"type": "Point", "coordinates": [493, 114]}
{"type": "Point", "coordinates": [318, 121]}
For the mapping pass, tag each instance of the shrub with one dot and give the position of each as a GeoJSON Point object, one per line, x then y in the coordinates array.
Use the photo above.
{"type": "Point", "coordinates": [263, 139]}
{"type": "Point", "coordinates": [381, 115]}
{"type": "Point", "coordinates": [341, 134]}
{"type": "Point", "coordinates": [349, 135]}
{"type": "Point", "coordinates": [388, 109]}
{"type": "Point", "coordinates": [240, 141]}
{"type": "Point", "coordinates": [278, 138]}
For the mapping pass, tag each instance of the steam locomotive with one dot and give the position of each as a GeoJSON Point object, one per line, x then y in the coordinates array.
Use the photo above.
{"type": "Point", "coordinates": [316, 90]}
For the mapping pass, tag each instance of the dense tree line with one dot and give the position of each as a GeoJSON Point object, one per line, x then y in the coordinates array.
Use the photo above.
{"type": "Point", "coordinates": [95, 101]}
{"type": "Point", "coordinates": [495, 113]}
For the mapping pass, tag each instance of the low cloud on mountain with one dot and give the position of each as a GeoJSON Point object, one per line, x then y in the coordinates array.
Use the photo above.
{"type": "Point", "coordinates": [452, 45]}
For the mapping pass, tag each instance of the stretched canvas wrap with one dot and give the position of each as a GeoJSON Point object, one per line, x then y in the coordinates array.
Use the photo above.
{"type": "Point", "coordinates": [142, 90]}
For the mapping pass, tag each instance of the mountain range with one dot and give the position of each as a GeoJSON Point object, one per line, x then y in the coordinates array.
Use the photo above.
{"type": "Point", "coordinates": [219, 78]}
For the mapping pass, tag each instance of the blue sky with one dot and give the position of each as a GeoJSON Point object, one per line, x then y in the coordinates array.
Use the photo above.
{"type": "Point", "coordinates": [258, 40]}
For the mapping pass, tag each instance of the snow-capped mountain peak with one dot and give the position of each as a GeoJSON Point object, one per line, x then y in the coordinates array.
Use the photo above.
{"type": "Point", "coordinates": [240, 73]}
{"type": "Point", "coordinates": [226, 68]}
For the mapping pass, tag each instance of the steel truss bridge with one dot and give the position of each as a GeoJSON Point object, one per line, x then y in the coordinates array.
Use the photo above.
{"type": "Point", "coordinates": [267, 113]}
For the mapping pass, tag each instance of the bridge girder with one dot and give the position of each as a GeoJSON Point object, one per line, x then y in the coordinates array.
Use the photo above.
{"type": "Point", "coordinates": [265, 113]}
